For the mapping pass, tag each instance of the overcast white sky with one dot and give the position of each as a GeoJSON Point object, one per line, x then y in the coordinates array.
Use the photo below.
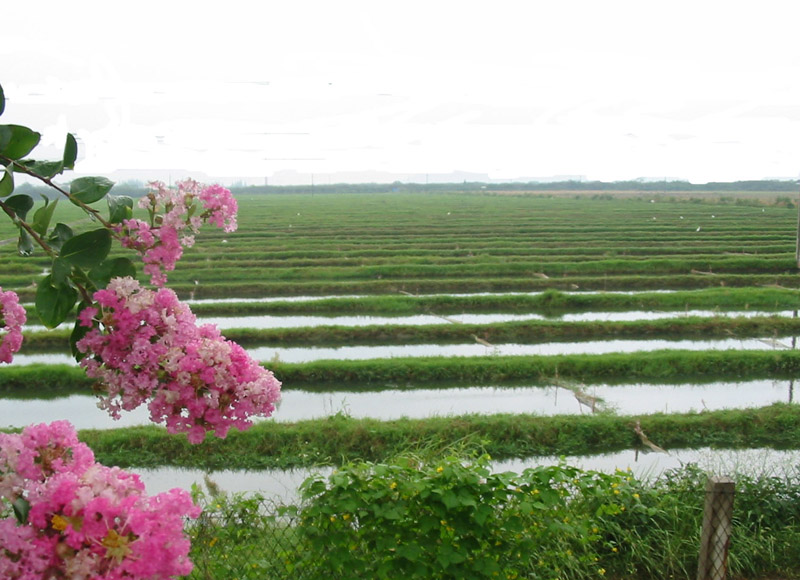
{"type": "Point", "coordinates": [605, 89]}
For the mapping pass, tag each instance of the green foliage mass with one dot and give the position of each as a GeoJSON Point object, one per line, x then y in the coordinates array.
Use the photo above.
{"type": "Point", "coordinates": [418, 515]}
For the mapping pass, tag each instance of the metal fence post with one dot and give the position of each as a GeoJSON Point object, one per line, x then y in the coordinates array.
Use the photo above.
{"type": "Point", "coordinates": [717, 527]}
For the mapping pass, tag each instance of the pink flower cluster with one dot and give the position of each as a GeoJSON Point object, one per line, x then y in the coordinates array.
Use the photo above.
{"type": "Point", "coordinates": [84, 520]}
{"type": "Point", "coordinates": [12, 317]}
{"type": "Point", "coordinates": [174, 220]}
{"type": "Point", "coordinates": [144, 345]}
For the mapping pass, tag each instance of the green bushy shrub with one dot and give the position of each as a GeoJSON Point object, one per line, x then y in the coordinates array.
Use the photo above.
{"type": "Point", "coordinates": [456, 519]}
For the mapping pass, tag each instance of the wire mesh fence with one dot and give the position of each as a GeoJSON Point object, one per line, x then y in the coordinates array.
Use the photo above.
{"type": "Point", "coordinates": [685, 527]}
{"type": "Point", "coordinates": [717, 528]}
{"type": "Point", "coordinates": [243, 538]}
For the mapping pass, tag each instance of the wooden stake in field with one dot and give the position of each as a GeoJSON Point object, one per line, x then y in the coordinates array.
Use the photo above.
{"type": "Point", "coordinates": [717, 526]}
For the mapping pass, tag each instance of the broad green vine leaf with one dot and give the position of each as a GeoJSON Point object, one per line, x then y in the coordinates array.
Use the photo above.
{"type": "Point", "coordinates": [54, 301]}
{"type": "Point", "coordinates": [87, 249]}
{"type": "Point", "coordinates": [102, 274]}
{"type": "Point", "coordinates": [2, 100]}
{"type": "Point", "coordinates": [6, 183]}
{"type": "Point", "coordinates": [70, 152]}
{"type": "Point", "coordinates": [42, 217]}
{"type": "Point", "coordinates": [120, 207]}
{"type": "Point", "coordinates": [90, 189]}
{"type": "Point", "coordinates": [17, 141]}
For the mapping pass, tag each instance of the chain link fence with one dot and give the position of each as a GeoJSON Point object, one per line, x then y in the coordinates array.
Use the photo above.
{"type": "Point", "coordinates": [717, 528]}
{"type": "Point", "coordinates": [246, 538]}
{"type": "Point", "coordinates": [243, 537]}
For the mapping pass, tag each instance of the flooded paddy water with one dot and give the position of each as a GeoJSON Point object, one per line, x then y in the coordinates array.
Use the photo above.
{"type": "Point", "coordinates": [420, 403]}
{"type": "Point", "coordinates": [282, 485]}
{"type": "Point", "coordinates": [262, 322]}
{"type": "Point", "coordinates": [308, 354]}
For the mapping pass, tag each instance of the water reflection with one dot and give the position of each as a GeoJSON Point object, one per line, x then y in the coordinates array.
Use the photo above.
{"type": "Point", "coordinates": [282, 484]}
{"type": "Point", "coordinates": [261, 322]}
{"type": "Point", "coordinates": [268, 321]}
{"type": "Point", "coordinates": [298, 355]}
{"type": "Point", "coordinates": [308, 354]}
{"type": "Point", "coordinates": [628, 399]}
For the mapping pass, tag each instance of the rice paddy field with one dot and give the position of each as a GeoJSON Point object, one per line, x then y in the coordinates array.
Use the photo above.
{"type": "Point", "coordinates": [589, 326]}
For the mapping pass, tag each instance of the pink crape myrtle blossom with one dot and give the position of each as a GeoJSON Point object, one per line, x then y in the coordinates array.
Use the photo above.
{"type": "Point", "coordinates": [84, 520]}
{"type": "Point", "coordinates": [221, 207]}
{"type": "Point", "coordinates": [144, 346]}
{"type": "Point", "coordinates": [12, 317]}
{"type": "Point", "coordinates": [174, 219]}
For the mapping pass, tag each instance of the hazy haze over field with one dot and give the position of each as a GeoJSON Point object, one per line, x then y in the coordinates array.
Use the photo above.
{"type": "Point", "coordinates": [335, 90]}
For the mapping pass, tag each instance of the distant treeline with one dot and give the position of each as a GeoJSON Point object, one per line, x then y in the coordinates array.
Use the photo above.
{"type": "Point", "coordinates": [771, 186]}
{"type": "Point", "coordinates": [138, 189]}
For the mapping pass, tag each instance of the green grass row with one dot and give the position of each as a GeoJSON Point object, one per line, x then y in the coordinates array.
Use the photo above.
{"type": "Point", "coordinates": [525, 332]}
{"type": "Point", "coordinates": [225, 262]}
{"type": "Point", "coordinates": [209, 272]}
{"type": "Point", "coordinates": [547, 302]}
{"type": "Point", "coordinates": [339, 438]}
{"type": "Point", "coordinates": [240, 251]}
{"type": "Point", "coordinates": [266, 287]}
{"type": "Point", "coordinates": [630, 367]}
{"type": "Point", "coordinates": [43, 381]}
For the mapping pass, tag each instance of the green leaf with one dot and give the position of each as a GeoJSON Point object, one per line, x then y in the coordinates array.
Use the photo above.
{"type": "Point", "coordinates": [21, 508]}
{"type": "Point", "coordinates": [24, 243]}
{"type": "Point", "coordinates": [17, 141]}
{"type": "Point", "coordinates": [120, 207]}
{"type": "Point", "coordinates": [6, 183]}
{"type": "Point", "coordinates": [61, 270]}
{"type": "Point", "coordinates": [70, 152]}
{"type": "Point", "coordinates": [42, 168]}
{"type": "Point", "coordinates": [60, 234]}
{"type": "Point", "coordinates": [21, 204]}
{"type": "Point", "coordinates": [102, 274]}
{"type": "Point", "coordinates": [87, 249]}
{"type": "Point", "coordinates": [54, 301]}
{"type": "Point", "coordinates": [78, 332]}
{"type": "Point", "coordinates": [42, 217]}
{"type": "Point", "coordinates": [2, 100]}
{"type": "Point", "coordinates": [90, 189]}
